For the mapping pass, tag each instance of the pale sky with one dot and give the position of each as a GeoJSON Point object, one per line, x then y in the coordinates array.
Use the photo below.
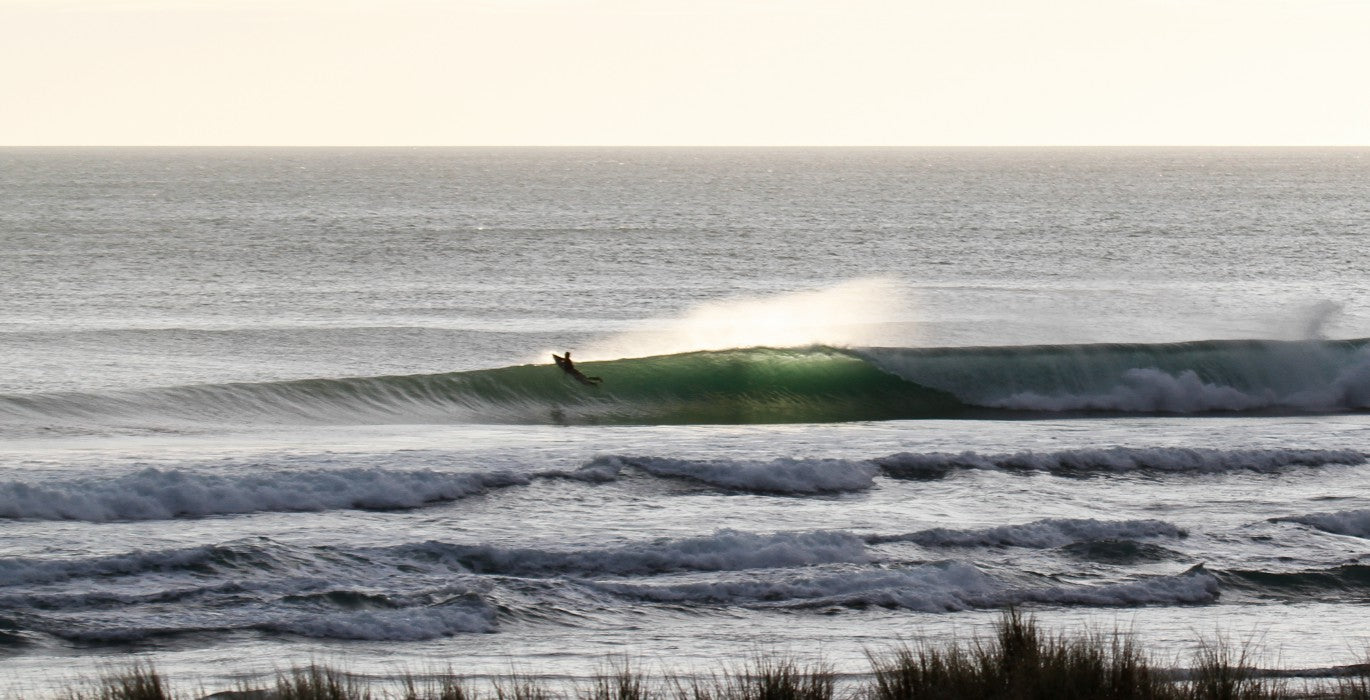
{"type": "Point", "coordinates": [684, 72]}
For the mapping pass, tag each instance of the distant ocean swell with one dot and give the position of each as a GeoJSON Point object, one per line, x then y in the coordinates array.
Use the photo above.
{"type": "Point", "coordinates": [768, 385]}
{"type": "Point", "coordinates": [164, 493]}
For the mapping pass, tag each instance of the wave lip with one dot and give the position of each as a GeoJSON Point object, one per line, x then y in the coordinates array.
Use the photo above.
{"type": "Point", "coordinates": [1116, 460]}
{"type": "Point", "coordinates": [155, 494]}
{"type": "Point", "coordinates": [1039, 534]}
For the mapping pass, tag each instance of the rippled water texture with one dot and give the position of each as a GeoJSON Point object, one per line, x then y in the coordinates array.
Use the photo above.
{"type": "Point", "coordinates": [282, 405]}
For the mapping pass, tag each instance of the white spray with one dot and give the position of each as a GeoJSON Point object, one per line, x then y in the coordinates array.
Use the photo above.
{"type": "Point", "coordinates": [869, 311]}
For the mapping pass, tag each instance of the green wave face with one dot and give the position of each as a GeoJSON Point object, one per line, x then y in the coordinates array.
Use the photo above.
{"type": "Point", "coordinates": [759, 385]}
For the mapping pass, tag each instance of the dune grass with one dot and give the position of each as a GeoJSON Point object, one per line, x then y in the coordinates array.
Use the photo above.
{"type": "Point", "coordinates": [1018, 661]}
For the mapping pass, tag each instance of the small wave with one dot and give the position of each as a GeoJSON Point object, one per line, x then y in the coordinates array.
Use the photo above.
{"type": "Point", "coordinates": [86, 599]}
{"type": "Point", "coordinates": [781, 476]}
{"type": "Point", "coordinates": [230, 559]}
{"type": "Point", "coordinates": [21, 570]}
{"type": "Point", "coordinates": [1116, 460]}
{"type": "Point", "coordinates": [469, 614]}
{"type": "Point", "coordinates": [1119, 552]}
{"type": "Point", "coordinates": [934, 587]}
{"type": "Point", "coordinates": [1040, 534]}
{"type": "Point", "coordinates": [1194, 586]}
{"type": "Point", "coordinates": [1349, 579]}
{"type": "Point", "coordinates": [156, 494]}
{"type": "Point", "coordinates": [1355, 523]}
{"type": "Point", "coordinates": [403, 625]}
{"type": "Point", "coordinates": [725, 550]}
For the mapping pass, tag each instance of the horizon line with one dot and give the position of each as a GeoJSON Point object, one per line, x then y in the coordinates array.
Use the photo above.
{"type": "Point", "coordinates": [698, 146]}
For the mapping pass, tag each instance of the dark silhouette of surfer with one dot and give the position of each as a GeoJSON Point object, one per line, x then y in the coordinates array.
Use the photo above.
{"type": "Point", "coordinates": [570, 368]}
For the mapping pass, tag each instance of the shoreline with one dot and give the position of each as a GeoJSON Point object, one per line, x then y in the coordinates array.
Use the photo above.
{"type": "Point", "coordinates": [1017, 659]}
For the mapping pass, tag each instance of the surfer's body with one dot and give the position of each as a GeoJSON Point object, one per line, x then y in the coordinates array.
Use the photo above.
{"type": "Point", "coordinates": [570, 368]}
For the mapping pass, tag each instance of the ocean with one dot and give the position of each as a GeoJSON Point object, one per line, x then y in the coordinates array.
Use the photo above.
{"type": "Point", "coordinates": [267, 407]}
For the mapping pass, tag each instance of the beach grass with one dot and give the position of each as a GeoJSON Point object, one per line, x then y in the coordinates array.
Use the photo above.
{"type": "Point", "coordinates": [1018, 661]}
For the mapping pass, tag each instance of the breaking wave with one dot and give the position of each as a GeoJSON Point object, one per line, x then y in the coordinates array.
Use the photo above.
{"type": "Point", "coordinates": [156, 494]}
{"type": "Point", "coordinates": [770, 385]}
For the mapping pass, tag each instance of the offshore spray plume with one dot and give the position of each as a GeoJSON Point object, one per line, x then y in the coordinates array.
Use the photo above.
{"type": "Point", "coordinates": [1318, 317]}
{"type": "Point", "coordinates": [870, 311]}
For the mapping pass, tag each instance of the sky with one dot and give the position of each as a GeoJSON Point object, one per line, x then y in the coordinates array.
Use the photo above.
{"type": "Point", "coordinates": [684, 72]}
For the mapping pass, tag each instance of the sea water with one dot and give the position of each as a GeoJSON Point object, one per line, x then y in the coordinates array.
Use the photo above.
{"type": "Point", "coordinates": [264, 407]}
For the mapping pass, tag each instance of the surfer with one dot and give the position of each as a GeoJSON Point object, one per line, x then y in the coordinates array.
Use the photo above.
{"type": "Point", "coordinates": [570, 368]}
